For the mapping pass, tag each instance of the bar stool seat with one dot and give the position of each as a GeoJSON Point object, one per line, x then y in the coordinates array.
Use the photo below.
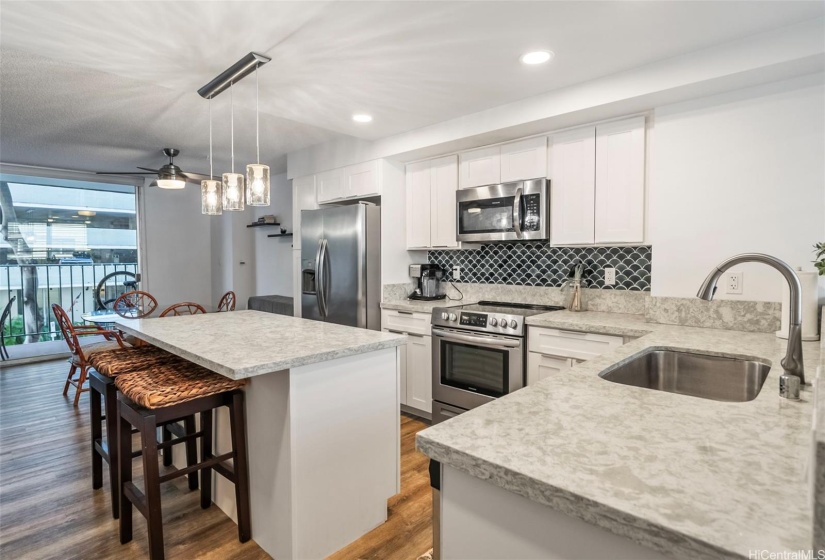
{"type": "Point", "coordinates": [105, 366]}
{"type": "Point", "coordinates": [149, 399]}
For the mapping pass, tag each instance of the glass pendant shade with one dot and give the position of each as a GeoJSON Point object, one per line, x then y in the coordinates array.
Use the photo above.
{"type": "Point", "coordinates": [257, 184]}
{"type": "Point", "coordinates": [171, 183]}
{"type": "Point", "coordinates": [211, 197]}
{"type": "Point", "coordinates": [233, 191]}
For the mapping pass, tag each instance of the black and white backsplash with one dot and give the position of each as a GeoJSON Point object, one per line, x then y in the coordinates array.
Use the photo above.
{"type": "Point", "coordinates": [539, 264]}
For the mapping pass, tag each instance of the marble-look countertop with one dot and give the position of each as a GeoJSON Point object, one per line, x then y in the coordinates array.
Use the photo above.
{"type": "Point", "coordinates": [689, 477]}
{"type": "Point", "coordinates": [242, 344]}
{"type": "Point", "coordinates": [418, 306]}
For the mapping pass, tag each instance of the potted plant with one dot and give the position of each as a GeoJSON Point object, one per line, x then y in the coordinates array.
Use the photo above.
{"type": "Point", "coordinates": [819, 263]}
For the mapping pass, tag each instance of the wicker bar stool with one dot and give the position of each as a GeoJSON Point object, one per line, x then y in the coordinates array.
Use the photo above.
{"type": "Point", "coordinates": [148, 400]}
{"type": "Point", "coordinates": [106, 365]}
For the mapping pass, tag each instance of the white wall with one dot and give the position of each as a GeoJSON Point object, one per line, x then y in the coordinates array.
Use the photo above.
{"type": "Point", "coordinates": [273, 256]}
{"type": "Point", "coordinates": [176, 251]}
{"type": "Point", "coordinates": [738, 172]}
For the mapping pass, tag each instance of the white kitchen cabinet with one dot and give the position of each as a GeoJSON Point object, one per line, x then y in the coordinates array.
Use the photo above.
{"type": "Point", "coordinates": [362, 180]}
{"type": "Point", "coordinates": [620, 181]}
{"type": "Point", "coordinates": [420, 372]}
{"type": "Point", "coordinates": [573, 187]}
{"type": "Point", "coordinates": [296, 280]}
{"type": "Point", "coordinates": [431, 205]}
{"type": "Point", "coordinates": [570, 344]}
{"type": "Point", "coordinates": [331, 185]}
{"type": "Point", "coordinates": [303, 198]}
{"type": "Point", "coordinates": [480, 167]}
{"type": "Point", "coordinates": [540, 366]}
{"type": "Point", "coordinates": [525, 159]}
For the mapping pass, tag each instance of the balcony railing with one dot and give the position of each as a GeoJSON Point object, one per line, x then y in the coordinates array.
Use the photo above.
{"type": "Point", "coordinates": [70, 285]}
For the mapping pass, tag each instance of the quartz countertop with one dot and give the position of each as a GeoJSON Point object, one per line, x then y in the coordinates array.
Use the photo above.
{"type": "Point", "coordinates": [419, 306]}
{"type": "Point", "coordinates": [242, 344]}
{"type": "Point", "coordinates": [689, 477]}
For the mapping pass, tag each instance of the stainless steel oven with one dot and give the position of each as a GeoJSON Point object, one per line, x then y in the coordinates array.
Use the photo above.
{"type": "Point", "coordinates": [471, 369]}
{"type": "Point", "coordinates": [505, 212]}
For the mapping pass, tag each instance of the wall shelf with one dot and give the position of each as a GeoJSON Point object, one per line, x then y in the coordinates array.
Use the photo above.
{"type": "Point", "coordinates": [280, 235]}
{"type": "Point", "coordinates": [256, 224]}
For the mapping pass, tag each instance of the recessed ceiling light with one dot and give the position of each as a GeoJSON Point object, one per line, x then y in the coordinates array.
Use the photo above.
{"type": "Point", "coordinates": [537, 57]}
{"type": "Point", "coordinates": [362, 118]}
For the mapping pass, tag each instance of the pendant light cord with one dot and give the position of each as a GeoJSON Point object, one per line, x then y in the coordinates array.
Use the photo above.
{"type": "Point", "coordinates": [232, 122]}
{"type": "Point", "coordinates": [211, 173]}
{"type": "Point", "coordinates": [257, 118]}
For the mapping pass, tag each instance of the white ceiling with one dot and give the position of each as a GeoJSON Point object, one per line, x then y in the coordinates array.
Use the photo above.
{"type": "Point", "coordinates": [89, 85]}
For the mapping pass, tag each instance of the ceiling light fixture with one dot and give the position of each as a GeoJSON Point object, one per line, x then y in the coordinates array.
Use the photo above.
{"type": "Point", "coordinates": [234, 73]}
{"type": "Point", "coordinates": [362, 118]}
{"type": "Point", "coordinates": [232, 182]}
{"type": "Point", "coordinates": [86, 212]}
{"type": "Point", "coordinates": [257, 175]}
{"type": "Point", "coordinates": [537, 57]}
{"type": "Point", "coordinates": [211, 190]}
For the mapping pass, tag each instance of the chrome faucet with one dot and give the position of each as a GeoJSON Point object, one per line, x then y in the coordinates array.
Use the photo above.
{"type": "Point", "coordinates": [792, 363]}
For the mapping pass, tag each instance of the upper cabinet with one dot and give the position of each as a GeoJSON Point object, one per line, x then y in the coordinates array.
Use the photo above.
{"type": "Point", "coordinates": [480, 167]}
{"type": "Point", "coordinates": [597, 184]}
{"type": "Point", "coordinates": [526, 159]}
{"type": "Point", "coordinates": [355, 181]}
{"type": "Point", "coordinates": [431, 215]}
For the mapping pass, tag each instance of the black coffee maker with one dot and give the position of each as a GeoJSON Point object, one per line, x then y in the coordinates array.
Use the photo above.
{"type": "Point", "coordinates": [430, 282]}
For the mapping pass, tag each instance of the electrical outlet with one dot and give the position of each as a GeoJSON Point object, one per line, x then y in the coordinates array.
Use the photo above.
{"type": "Point", "coordinates": [733, 283]}
{"type": "Point", "coordinates": [456, 274]}
{"type": "Point", "coordinates": [609, 276]}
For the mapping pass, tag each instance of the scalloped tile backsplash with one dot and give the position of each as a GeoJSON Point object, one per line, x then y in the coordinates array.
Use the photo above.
{"type": "Point", "coordinates": [539, 264]}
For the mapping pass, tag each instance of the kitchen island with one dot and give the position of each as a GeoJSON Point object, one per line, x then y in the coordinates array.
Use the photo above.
{"type": "Point", "coordinates": [579, 467]}
{"type": "Point", "coordinates": [322, 410]}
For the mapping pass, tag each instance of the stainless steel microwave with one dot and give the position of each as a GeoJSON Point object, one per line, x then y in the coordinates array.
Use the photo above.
{"type": "Point", "coordinates": [505, 212]}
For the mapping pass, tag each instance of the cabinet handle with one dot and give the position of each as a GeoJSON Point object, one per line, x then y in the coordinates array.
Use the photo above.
{"type": "Point", "coordinates": [396, 332]}
{"type": "Point", "coordinates": [405, 312]}
{"type": "Point", "coordinates": [415, 335]}
{"type": "Point", "coordinates": [576, 333]}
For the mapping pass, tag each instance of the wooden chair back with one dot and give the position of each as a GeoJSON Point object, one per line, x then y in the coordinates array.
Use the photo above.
{"type": "Point", "coordinates": [4, 354]}
{"type": "Point", "coordinates": [183, 308]}
{"type": "Point", "coordinates": [227, 302]}
{"type": "Point", "coordinates": [67, 329]}
{"type": "Point", "coordinates": [135, 304]}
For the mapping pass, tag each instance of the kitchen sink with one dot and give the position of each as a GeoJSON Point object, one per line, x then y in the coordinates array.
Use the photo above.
{"type": "Point", "coordinates": [698, 375]}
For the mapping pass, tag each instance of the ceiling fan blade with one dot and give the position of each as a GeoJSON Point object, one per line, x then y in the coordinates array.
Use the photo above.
{"type": "Point", "coordinates": [147, 169]}
{"type": "Point", "coordinates": [196, 177]}
{"type": "Point", "coordinates": [123, 173]}
{"type": "Point", "coordinates": [153, 184]}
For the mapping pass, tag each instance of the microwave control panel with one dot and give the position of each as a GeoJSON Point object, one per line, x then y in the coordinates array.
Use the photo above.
{"type": "Point", "coordinates": [474, 319]}
{"type": "Point", "coordinates": [532, 212]}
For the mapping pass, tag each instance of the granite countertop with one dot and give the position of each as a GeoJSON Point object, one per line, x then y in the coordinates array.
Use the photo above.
{"type": "Point", "coordinates": [242, 344]}
{"type": "Point", "coordinates": [689, 477]}
{"type": "Point", "coordinates": [418, 306]}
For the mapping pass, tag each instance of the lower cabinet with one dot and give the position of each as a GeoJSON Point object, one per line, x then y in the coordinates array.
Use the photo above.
{"type": "Point", "coordinates": [540, 366]}
{"type": "Point", "coordinates": [551, 350]}
{"type": "Point", "coordinates": [416, 358]}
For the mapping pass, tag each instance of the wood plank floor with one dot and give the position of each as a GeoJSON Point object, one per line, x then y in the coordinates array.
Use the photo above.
{"type": "Point", "coordinates": [49, 510]}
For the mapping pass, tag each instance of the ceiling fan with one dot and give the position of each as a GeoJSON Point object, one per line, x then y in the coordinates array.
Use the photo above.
{"type": "Point", "coordinates": [170, 176]}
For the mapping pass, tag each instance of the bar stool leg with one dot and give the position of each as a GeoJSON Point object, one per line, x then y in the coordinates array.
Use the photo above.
{"type": "Point", "coordinates": [206, 453]}
{"type": "Point", "coordinates": [96, 418]}
{"type": "Point", "coordinates": [166, 435]}
{"type": "Point", "coordinates": [125, 474]}
{"type": "Point", "coordinates": [240, 466]}
{"type": "Point", "coordinates": [191, 451]}
{"type": "Point", "coordinates": [151, 484]}
{"type": "Point", "coordinates": [112, 442]}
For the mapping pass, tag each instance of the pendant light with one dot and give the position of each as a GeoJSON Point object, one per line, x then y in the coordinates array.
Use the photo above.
{"type": "Point", "coordinates": [257, 175]}
{"type": "Point", "coordinates": [211, 190]}
{"type": "Point", "coordinates": [233, 183]}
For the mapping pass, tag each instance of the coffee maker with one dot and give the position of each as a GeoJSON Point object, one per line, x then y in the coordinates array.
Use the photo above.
{"type": "Point", "coordinates": [430, 282]}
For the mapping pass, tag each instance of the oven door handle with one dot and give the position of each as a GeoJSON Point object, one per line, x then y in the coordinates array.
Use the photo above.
{"type": "Point", "coordinates": [517, 212]}
{"type": "Point", "coordinates": [506, 343]}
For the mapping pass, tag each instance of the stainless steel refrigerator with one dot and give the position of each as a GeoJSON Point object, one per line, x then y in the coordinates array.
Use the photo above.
{"type": "Point", "coordinates": [341, 265]}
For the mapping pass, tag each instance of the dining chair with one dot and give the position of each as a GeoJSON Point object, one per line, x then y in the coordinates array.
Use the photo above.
{"type": "Point", "coordinates": [183, 308]}
{"type": "Point", "coordinates": [135, 304]}
{"type": "Point", "coordinates": [227, 302]}
{"type": "Point", "coordinates": [4, 354]}
{"type": "Point", "coordinates": [81, 353]}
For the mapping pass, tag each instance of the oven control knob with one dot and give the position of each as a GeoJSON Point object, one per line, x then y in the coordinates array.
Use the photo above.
{"type": "Point", "coordinates": [503, 322]}
{"type": "Point", "coordinates": [444, 316]}
{"type": "Point", "coordinates": [493, 321]}
{"type": "Point", "coordinates": [453, 317]}
{"type": "Point", "coordinates": [513, 323]}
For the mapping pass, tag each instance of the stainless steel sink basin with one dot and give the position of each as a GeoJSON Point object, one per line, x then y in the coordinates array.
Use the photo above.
{"type": "Point", "coordinates": [697, 375]}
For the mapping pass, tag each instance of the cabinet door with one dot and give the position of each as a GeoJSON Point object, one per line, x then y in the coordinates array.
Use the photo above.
{"type": "Point", "coordinates": [444, 183]}
{"type": "Point", "coordinates": [480, 167]}
{"type": "Point", "coordinates": [418, 184]}
{"type": "Point", "coordinates": [419, 372]}
{"type": "Point", "coordinates": [573, 187]}
{"type": "Point", "coordinates": [303, 198]}
{"type": "Point", "coordinates": [330, 185]}
{"type": "Point", "coordinates": [296, 282]}
{"type": "Point", "coordinates": [570, 344]}
{"type": "Point", "coordinates": [522, 160]}
{"type": "Point", "coordinates": [362, 180]}
{"type": "Point", "coordinates": [540, 366]}
{"type": "Point", "coordinates": [620, 181]}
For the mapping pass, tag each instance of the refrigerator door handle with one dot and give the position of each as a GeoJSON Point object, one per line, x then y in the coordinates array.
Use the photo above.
{"type": "Point", "coordinates": [323, 289]}
{"type": "Point", "coordinates": [319, 277]}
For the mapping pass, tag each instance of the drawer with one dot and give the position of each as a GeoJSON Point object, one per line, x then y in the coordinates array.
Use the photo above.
{"type": "Point", "coordinates": [570, 344]}
{"type": "Point", "coordinates": [406, 321]}
{"type": "Point", "coordinates": [540, 366]}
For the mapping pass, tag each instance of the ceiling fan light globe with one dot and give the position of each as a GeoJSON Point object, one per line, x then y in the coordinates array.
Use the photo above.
{"type": "Point", "coordinates": [257, 181]}
{"type": "Point", "coordinates": [171, 183]}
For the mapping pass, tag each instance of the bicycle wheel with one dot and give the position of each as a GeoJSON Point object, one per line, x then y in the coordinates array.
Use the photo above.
{"type": "Point", "coordinates": [105, 298]}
